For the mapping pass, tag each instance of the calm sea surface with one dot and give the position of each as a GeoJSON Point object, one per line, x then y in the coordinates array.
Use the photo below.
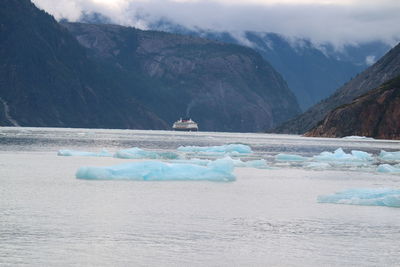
{"type": "Point", "coordinates": [264, 218]}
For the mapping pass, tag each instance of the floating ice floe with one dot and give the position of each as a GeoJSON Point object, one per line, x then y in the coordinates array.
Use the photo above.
{"type": "Point", "coordinates": [67, 152]}
{"type": "Point", "coordinates": [356, 137]}
{"type": "Point", "coordinates": [220, 171]}
{"type": "Point", "coordinates": [388, 168]}
{"type": "Point", "coordinates": [340, 156]}
{"type": "Point", "coordinates": [289, 157]}
{"type": "Point", "coordinates": [232, 148]}
{"type": "Point", "coordinates": [138, 153]}
{"type": "Point", "coordinates": [366, 197]}
{"type": "Point", "coordinates": [259, 164]}
{"type": "Point", "coordinates": [201, 162]}
{"type": "Point", "coordinates": [317, 165]}
{"type": "Point", "coordinates": [389, 156]}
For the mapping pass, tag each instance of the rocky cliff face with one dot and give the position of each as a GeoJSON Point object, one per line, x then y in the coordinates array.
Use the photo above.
{"type": "Point", "coordinates": [117, 77]}
{"type": "Point", "coordinates": [383, 70]}
{"type": "Point", "coordinates": [47, 79]}
{"type": "Point", "coordinates": [223, 87]}
{"type": "Point", "coordinates": [375, 114]}
{"type": "Point", "coordinates": [312, 73]}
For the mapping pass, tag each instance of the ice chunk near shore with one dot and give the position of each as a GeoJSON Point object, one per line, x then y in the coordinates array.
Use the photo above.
{"type": "Point", "coordinates": [138, 153]}
{"type": "Point", "coordinates": [219, 171]}
{"type": "Point", "coordinates": [67, 152]}
{"type": "Point", "coordinates": [341, 156]}
{"type": "Point", "coordinates": [231, 148]}
{"type": "Point", "coordinates": [364, 196]}
{"type": "Point", "coordinates": [389, 156]}
{"type": "Point", "coordinates": [388, 168]}
{"type": "Point", "coordinates": [289, 157]}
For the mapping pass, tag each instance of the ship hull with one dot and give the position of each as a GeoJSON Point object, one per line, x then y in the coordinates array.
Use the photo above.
{"type": "Point", "coordinates": [186, 129]}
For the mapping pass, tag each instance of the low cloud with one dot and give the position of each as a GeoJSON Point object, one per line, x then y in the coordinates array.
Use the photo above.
{"type": "Point", "coordinates": [321, 21]}
{"type": "Point", "coordinates": [369, 60]}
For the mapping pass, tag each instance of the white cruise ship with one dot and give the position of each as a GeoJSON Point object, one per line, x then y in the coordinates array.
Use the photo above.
{"type": "Point", "coordinates": [186, 124]}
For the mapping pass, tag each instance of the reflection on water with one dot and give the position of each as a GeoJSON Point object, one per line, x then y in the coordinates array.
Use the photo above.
{"type": "Point", "coordinates": [266, 217]}
{"type": "Point", "coordinates": [12, 138]}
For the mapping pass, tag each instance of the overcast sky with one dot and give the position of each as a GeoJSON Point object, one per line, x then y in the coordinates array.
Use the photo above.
{"type": "Point", "coordinates": [335, 21]}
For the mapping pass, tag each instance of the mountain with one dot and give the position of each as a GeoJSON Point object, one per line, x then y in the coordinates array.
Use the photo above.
{"type": "Point", "coordinates": [374, 114]}
{"type": "Point", "coordinates": [386, 68]}
{"type": "Point", "coordinates": [47, 79]}
{"type": "Point", "coordinates": [313, 72]}
{"type": "Point", "coordinates": [223, 87]}
{"type": "Point", "coordinates": [86, 75]}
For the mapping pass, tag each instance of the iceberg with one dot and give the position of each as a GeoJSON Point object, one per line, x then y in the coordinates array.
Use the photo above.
{"type": "Point", "coordinates": [366, 197]}
{"type": "Point", "coordinates": [201, 162]}
{"type": "Point", "coordinates": [67, 152]}
{"type": "Point", "coordinates": [388, 168]}
{"type": "Point", "coordinates": [231, 148]}
{"type": "Point", "coordinates": [220, 170]}
{"type": "Point", "coordinates": [289, 157]}
{"type": "Point", "coordinates": [317, 165]}
{"type": "Point", "coordinates": [138, 153]}
{"type": "Point", "coordinates": [341, 156]}
{"type": "Point", "coordinates": [389, 156]}
{"type": "Point", "coordinates": [259, 164]}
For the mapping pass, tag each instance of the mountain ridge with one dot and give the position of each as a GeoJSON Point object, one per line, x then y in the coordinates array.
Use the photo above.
{"type": "Point", "coordinates": [313, 72]}
{"type": "Point", "coordinates": [386, 68]}
{"type": "Point", "coordinates": [213, 70]}
{"type": "Point", "coordinates": [373, 114]}
{"type": "Point", "coordinates": [120, 77]}
{"type": "Point", "coordinates": [48, 80]}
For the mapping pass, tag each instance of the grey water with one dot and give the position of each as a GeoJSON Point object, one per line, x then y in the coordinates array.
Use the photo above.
{"type": "Point", "coordinates": [267, 217]}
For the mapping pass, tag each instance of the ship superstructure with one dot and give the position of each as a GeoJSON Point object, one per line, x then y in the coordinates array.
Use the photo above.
{"type": "Point", "coordinates": [185, 124]}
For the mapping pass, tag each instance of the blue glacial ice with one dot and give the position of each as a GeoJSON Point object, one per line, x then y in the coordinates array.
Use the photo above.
{"type": "Point", "coordinates": [220, 170]}
{"type": "Point", "coordinates": [364, 196]}
{"type": "Point", "coordinates": [317, 165]}
{"type": "Point", "coordinates": [231, 148]}
{"type": "Point", "coordinates": [259, 164]}
{"type": "Point", "coordinates": [196, 161]}
{"type": "Point", "coordinates": [388, 168]}
{"type": "Point", "coordinates": [67, 152]}
{"type": "Point", "coordinates": [389, 156]}
{"type": "Point", "coordinates": [340, 156]}
{"type": "Point", "coordinates": [289, 157]}
{"type": "Point", "coordinates": [138, 153]}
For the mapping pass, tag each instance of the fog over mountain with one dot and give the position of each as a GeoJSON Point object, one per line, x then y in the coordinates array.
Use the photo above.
{"type": "Point", "coordinates": [337, 22]}
{"type": "Point", "coordinates": [108, 76]}
{"type": "Point", "coordinates": [317, 45]}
